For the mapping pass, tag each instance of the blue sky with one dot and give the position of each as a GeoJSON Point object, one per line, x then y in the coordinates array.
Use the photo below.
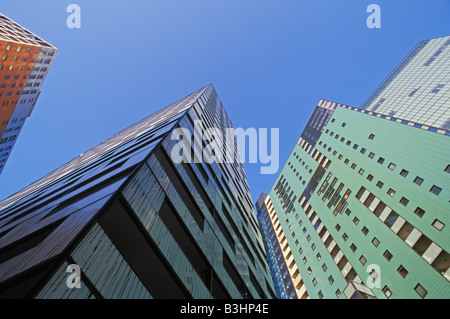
{"type": "Point", "coordinates": [269, 61]}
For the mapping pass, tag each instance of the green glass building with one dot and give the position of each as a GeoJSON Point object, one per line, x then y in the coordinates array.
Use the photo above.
{"type": "Point", "coordinates": [364, 195]}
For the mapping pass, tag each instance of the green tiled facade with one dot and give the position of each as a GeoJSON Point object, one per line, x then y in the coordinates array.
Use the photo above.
{"type": "Point", "coordinates": [348, 146]}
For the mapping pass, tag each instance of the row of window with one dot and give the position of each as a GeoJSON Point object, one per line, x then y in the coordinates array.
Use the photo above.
{"type": "Point", "coordinates": [391, 192]}
{"type": "Point", "coordinates": [418, 180]}
{"type": "Point", "coordinates": [420, 243]}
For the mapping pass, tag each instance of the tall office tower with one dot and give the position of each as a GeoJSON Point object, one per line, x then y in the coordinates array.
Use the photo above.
{"type": "Point", "coordinates": [363, 199]}
{"type": "Point", "coordinates": [285, 276]}
{"type": "Point", "coordinates": [138, 222]}
{"type": "Point", "coordinates": [25, 61]}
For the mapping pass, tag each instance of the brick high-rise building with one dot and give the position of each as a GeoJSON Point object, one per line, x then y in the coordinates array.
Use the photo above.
{"type": "Point", "coordinates": [25, 60]}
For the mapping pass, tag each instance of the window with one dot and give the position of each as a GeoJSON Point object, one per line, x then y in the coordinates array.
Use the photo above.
{"type": "Point", "coordinates": [380, 184]}
{"type": "Point", "coordinates": [353, 166]}
{"type": "Point", "coordinates": [362, 260]}
{"type": "Point", "coordinates": [420, 291]}
{"type": "Point", "coordinates": [355, 146]}
{"type": "Point", "coordinates": [371, 136]}
{"type": "Point", "coordinates": [375, 242]}
{"type": "Point", "coordinates": [320, 294]}
{"type": "Point", "coordinates": [447, 169]}
{"type": "Point", "coordinates": [371, 155]}
{"type": "Point", "coordinates": [338, 227]}
{"type": "Point", "coordinates": [391, 166]}
{"type": "Point", "coordinates": [338, 293]}
{"type": "Point", "coordinates": [387, 254]}
{"type": "Point", "coordinates": [386, 291]}
{"type": "Point", "coordinates": [391, 192]}
{"type": "Point", "coordinates": [361, 171]}
{"type": "Point", "coordinates": [418, 180]}
{"type": "Point", "coordinates": [8, 47]}
{"type": "Point", "coordinates": [314, 281]}
{"type": "Point", "coordinates": [404, 201]}
{"type": "Point", "coordinates": [353, 247]}
{"type": "Point", "coordinates": [402, 271]}
{"type": "Point", "coordinates": [313, 246]}
{"type": "Point", "coordinates": [419, 212]}
{"type": "Point", "coordinates": [369, 177]}
{"type": "Point", "coordinates": [345, 236]}
{"type": "Point", "coordinates": [404, 173]}
{"type": "Point", "coordinates": [438, 224]}
{"type": "Point", "coordinates": [365, 230]}
{"type": "Point", "coordinates": [356, 220]}
{"type": "Point", "coordinates": [363, 150]}
{"type": "Point", "coordinates": [380, 160]}
{"type": "Point", "coordinates": [331, 280]}
{"type": "Point", "coordinates": [343, 124]}
{"type": "Point", "coordinates": [435, 190]}
{"type": "Point", "coordinates": [309, 270]}
{"type": "Point", "coordinates": [318, 256]}
{"type": "Point", "coordinates": [305, 260]}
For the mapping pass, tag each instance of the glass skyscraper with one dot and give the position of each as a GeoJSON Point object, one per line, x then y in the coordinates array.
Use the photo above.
{"type": "Point", "coordinates": [363, 199]}
{"type": "Point", "coordinates": [137, 223]}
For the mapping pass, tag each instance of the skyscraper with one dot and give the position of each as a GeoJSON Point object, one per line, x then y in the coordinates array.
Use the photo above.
{"type": "Point", "coordinates": [137, 222]}
{"type": "Point", "coordinates": [25, 61]}
{"type": "Point", "coordinates": [364, 195]}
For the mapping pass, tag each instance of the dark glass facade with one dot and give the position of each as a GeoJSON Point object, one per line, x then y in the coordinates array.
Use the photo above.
{"type": "Point", "coordinates": [137, 223]}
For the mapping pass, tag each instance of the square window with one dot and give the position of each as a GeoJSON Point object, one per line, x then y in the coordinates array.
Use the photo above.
{"type": "Point", "coordinates": [371, 136]}
{"type": "Point", "coordinates": [404, 173]}
{"type": "Point", "coordinates": [338, 293]}
{"type": "Point", "coordinates": [380, 160]}
{"type": "Point", "coordinates": [353, 247]}
{"type": "Point", "coordinates": [419, 212]}
{"type": "Point", "coordinates": [314, 281]}
{"type": "Point", "coordinates": [387, 254]}
{"type": "Point", "coordinates": [438, 224]}
{"type": "Point", "coordinates": [353, 166]}
{"type": "Point", "coordinates": [361, 171]}
{"type": "Point", "coordinates": [320, 294]}
{"type": "Point", "coordinates": [402, 271]}
{"type": "Point", "coordinates": [346, 161]}
{"type": "Point", "coordinates": [309, 270]}
{"type": "Point", "coordinates": [371, 155]}
{"type": "Point", "coordinates": [324, 267]}
{"type": "Point", "coordinates": [391, 192]}
{"type": "Point", "coordinates": [343, 124]}
{"type": "Point", "coordinates": [365, 230]}
{"type": "Point", "coordinates": [420, 291]}
{"type": "Point", "coordinates": [404, 201]}
{"type": "Point", "coordinates": [369, 177]}
{"type": "Point", "coordinates": [348, 143]}
{"type": "Point", "coordinates": [435, 190]}
{"type": "Point", "coordinates": [447, 169]}
{"type": "Point", "coordinates": [380, 184]}
{"type": "Point", "coordinates": [338, 227]}
{"type": "Point", "coordinates": [356, 220]}
{"type": "Point", "coordinates": [318, 256]}
{"type": "Point", "coordinates": [391, 166]}
{"type": "Point", "coordinates": [362, 260]}
{"type": "Point", "coordinates": [355, 146]}
{"type": "Point", "coordinates": [386, 291]}
{"type": "Point", "coordinates": [363, 150]}
{"type": "Point", "coordinates": [418, 180]}
{"type": "Point", "coordinates": [375, 242]}
{"type": "Point", "coordinates": [345, 236]}
{"type": "Point", "coordinates": [331, 280]}
{"type": "Point", "coordinates": [342, 139]}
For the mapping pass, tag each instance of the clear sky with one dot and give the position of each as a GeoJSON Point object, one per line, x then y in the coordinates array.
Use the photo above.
{"type": "Point", "coordinates": [269, 61]}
